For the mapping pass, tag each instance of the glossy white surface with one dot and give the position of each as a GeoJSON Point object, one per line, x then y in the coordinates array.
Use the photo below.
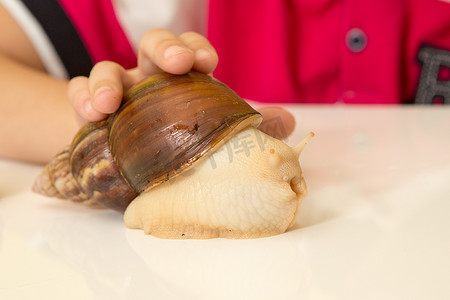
{"type": "Point", "coordinates": [376, 225]}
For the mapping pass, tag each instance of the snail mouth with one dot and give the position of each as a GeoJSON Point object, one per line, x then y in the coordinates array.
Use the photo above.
{"type": "Point", "coordinates": [298, 185]}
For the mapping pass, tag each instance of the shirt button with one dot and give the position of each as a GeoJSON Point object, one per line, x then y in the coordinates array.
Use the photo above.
{"type": "Point", "coordinates": [356, 40]}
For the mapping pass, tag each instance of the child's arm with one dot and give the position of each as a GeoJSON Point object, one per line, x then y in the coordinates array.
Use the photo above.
{"type": "Point", "coordinates": [36, 120]}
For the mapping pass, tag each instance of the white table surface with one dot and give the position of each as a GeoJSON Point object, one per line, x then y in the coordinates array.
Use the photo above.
{"type": "Point", "coordinates": [376, 225]}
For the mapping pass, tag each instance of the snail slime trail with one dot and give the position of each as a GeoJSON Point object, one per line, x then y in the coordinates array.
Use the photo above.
{"type": "Point", "coordinates": [201, 172]}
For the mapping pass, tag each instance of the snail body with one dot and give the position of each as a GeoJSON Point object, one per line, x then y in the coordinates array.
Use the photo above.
{"type": "Point", "coordinates": [182, 158]}
{"type": "Point", "coordinates": [232, 194]}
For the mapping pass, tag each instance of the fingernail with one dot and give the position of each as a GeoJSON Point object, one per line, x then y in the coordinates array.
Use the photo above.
{"type": "Point", "coordinates": [201, 54]}
{"type": "Point", "coordinates": [102, 96]}
{"type": "Point", "coordinates": [102, 90]}
{"type": "Point", "coordinates": [174, 51]}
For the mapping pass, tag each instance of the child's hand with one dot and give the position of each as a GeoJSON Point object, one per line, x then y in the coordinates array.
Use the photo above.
{"type": "Point", "coordinates": [95, 97]}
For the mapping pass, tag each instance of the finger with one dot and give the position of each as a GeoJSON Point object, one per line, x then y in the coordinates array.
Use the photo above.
{"type": "Point", "coordinates": [106, 86]}
{"type": "Point", "coordinates": [277, 122]}
{"type": "Point", "coordinates": [160, 49]}
{"type": "Point", "coordinates": [80, 98]}
{"type": "Point", "coordinates": [205, 56]}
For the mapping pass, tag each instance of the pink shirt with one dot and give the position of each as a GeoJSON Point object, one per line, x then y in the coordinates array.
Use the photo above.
{"type": "Point", "coordinates": [314, 51]}
{"type": "Point", "coordinates": [351, 51]}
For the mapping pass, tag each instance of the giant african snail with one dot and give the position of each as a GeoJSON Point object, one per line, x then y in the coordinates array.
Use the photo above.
{"type": "Point", "coordinates": [183, 159]}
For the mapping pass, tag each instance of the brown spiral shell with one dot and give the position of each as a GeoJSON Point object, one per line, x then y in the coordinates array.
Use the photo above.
{"type": "Point", "coordinates": [165, 124]}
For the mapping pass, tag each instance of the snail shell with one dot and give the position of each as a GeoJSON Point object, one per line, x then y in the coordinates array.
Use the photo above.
{"type": "Point", "coordinates": [154, 159]}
